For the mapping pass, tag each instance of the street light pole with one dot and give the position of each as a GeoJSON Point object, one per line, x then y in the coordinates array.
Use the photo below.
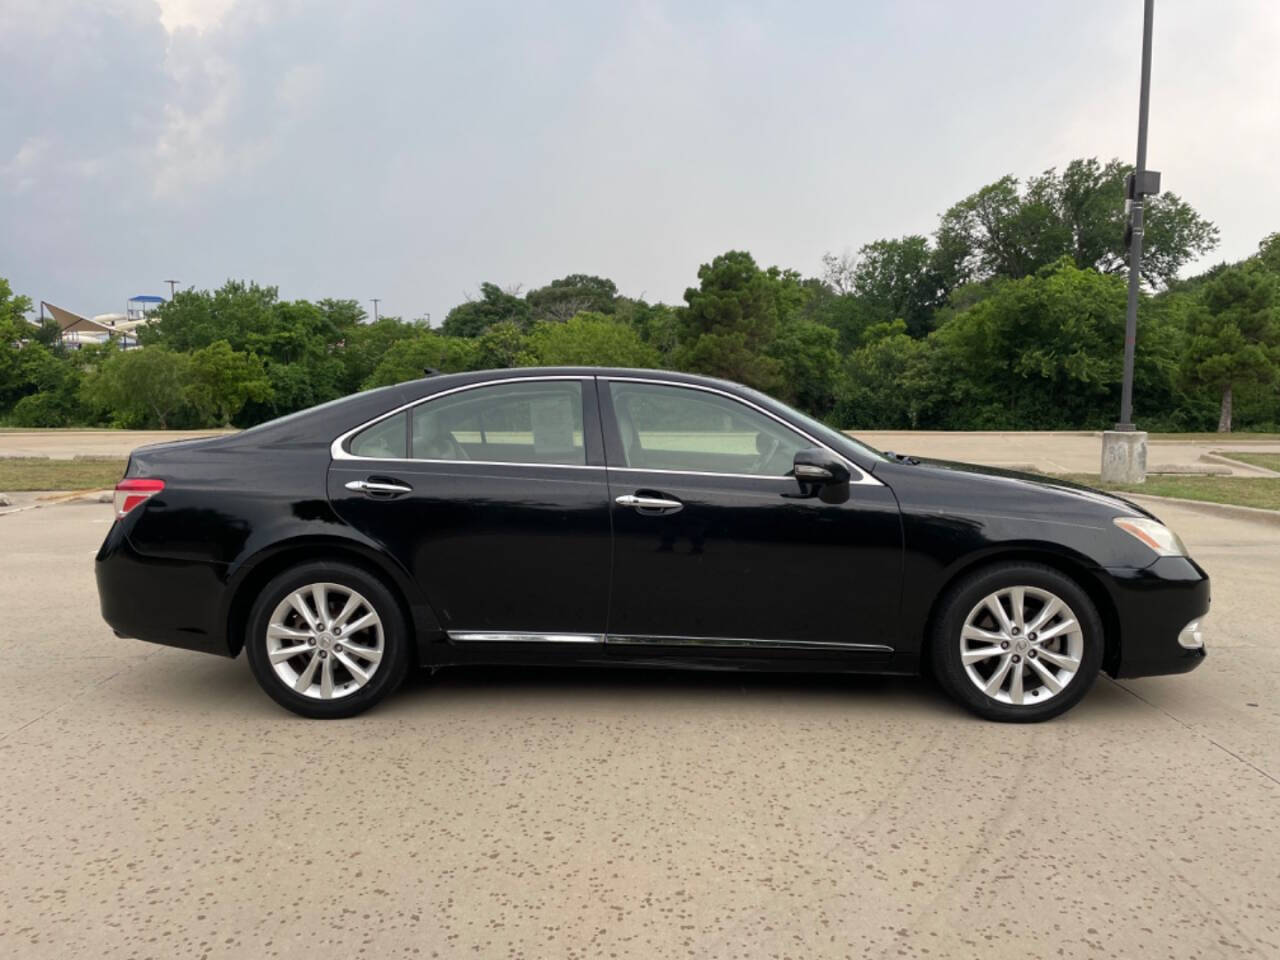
{"type": "Point", "coordinates": [376, 301]}
{"type": "Point", "coordinates": [1135, 224]}
{"type": "Point", "coordinates": [1124, 449]}
{"type": "Point", "coordinates": [172, 284]}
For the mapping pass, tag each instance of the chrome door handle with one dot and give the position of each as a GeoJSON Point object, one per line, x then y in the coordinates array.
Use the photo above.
{"type": "Point", "coordinates": [649, 503]}
{"type": "Point", "coordinates": [375, 486]}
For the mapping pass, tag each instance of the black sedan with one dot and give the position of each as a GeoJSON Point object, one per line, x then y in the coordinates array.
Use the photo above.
{"type": "Point", "coordinates": [637, 518]}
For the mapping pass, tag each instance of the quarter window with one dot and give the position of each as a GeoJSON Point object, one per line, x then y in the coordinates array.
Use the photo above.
{"type": "Point", "coordinates": [385, 440]}
{"type": "Point", "coordinates": [535, 421]}
{"type": "Point", "coordinates": [677, 428]}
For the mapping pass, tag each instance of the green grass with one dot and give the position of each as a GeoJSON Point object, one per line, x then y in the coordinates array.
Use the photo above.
{"type": "Point", "coordinates": [41, 473]}
{"type": "Point", "coordinates": [1269, 460]}
{"type": "Point", "coordinates": [1242, 491]}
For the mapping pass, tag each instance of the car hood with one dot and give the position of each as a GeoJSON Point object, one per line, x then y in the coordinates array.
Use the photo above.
{"type": "Point", "coordinates": [1039, 484]}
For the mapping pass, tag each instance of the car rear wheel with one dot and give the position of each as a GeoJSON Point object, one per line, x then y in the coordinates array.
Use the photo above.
{"type": "Point", "coordinates": [327, 640]}
{"type": "Point", "coordinates": [1017, 642]}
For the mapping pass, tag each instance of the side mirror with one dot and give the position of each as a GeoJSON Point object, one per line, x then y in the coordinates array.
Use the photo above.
{"type": "Point", "coordinates": [817, 466]}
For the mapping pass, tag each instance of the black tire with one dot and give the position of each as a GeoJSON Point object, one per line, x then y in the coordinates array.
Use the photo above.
{"type": "Point", "coordinates": [954, 609]}
{"type": "Point", "coordinates": [389, 672]}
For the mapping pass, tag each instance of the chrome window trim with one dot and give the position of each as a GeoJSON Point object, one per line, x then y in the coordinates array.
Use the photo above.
{"type": "Point", "coordinates": [481, 463]}
{"type": "Point", "coordinates": [863, 478]}
{"type": "Point", "coordinates": [338, 451]}
{"type": "Point", "coordinates": [699, 473]}
{"type": "Point", "coordinates": [683, 641]}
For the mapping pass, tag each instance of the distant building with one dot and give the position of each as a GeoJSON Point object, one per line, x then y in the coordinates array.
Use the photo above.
{"type": "Point", "coordinates": [75, 330]}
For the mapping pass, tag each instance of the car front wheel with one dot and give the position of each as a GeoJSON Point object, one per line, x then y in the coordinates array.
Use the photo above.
{"type": "Point", "coordinates": [1017, 642]}
{"type": "Point", "coordinates": [327, 640]}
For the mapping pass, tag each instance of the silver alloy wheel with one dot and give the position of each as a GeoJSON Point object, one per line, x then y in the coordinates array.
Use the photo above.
{"type": "Point", "coordinates": [324, 641]}
{"type": "Point", "coordinates": [1021, 645]}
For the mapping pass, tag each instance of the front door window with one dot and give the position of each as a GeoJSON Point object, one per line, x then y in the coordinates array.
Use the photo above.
{"type": "Point", "coordinates": [677, 428]}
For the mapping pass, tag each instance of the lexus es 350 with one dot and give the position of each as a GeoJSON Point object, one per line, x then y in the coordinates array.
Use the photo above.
{"type": "Point", "coordinates": [635, 518]}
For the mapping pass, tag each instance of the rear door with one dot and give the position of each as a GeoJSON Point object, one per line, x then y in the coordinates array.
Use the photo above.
{"type": "Point", "coordinates": [494, 497]}
{"type": "Point", "coordinates": [715, 548]}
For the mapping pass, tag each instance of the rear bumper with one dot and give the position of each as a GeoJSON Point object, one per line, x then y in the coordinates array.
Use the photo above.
{"type": "Point", "coordinates": [1154, 605]}
{"type": "Point", "coordinates": [173, 602]}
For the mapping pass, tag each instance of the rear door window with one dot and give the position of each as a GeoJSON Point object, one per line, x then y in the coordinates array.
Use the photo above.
{"type": "Point", "coordinates": [535, 421]}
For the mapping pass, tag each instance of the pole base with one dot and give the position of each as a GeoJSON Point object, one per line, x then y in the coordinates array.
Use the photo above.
{"type": "Point", "coordinates": [1124, 456]}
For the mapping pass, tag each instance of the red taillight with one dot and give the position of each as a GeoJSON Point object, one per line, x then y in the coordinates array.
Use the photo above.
{"type": "Point", "coordinates": [133, 491]}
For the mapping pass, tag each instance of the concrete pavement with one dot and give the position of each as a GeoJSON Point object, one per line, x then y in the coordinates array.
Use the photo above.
{"type": "Point", "coordinates": [71, 443]}
{"type": "Point", "coordinates": [1050, 451]}
{"type": "Point", "coordinates": [156, 804]}
{"type": "Point", "coordinates": [1064, 452]}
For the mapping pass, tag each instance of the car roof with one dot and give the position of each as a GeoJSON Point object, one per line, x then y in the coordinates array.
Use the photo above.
{"type": "Point", "coordinates": [441, 381]}
{"type": "Point", "coordinates": [321, 423]}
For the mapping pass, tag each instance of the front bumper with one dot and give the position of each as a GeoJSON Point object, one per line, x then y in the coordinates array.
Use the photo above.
{"type": "Point", "coordinates": [173, 602]}
{"type": "Point", "coordinates": [1154, 607]}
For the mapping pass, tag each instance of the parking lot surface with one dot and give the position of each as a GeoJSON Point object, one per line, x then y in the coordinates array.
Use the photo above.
{"type": "Point", "coordinates": [156, 804]}
{"type": "Point", "coordinates": [1046, 450]}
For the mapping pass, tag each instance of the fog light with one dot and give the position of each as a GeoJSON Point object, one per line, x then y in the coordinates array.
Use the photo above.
{"type": "Point", "coordinates": [1192, 635]}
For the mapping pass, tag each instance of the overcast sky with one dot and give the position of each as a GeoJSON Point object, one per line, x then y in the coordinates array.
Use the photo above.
{"type": "Point", "coordinates": [410, 150]}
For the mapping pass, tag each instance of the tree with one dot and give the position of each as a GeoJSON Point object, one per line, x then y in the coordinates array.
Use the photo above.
{"type": "Point", "coordinates": [1038, 352]}
{"type": "Point", "coordinates": [1269, 253]}
{"type": "Point", "coordinates": [495, 305]}
{"type": "Point", "coordinates": [410, 358]}
{"type": "Point", "coordinates": [896, 280]}
{"type": "Point", "coordinates": [1235, 336]}
{"type": "Point", "coordinates": [732, 316]}
{"type": "Point", "coordinates": [838, 271]}
{"type": "Point", "coordinates": [52, 385]}
{"type": "Point", "coordinates": [809, 365]}
{"type": "Point", "coordinates": [1000, 231]}
{"type": "Point", "coordinates": [140, 388]}
{"type": "Point", "coordinates": [577, 293]}
{"type": "Point", "coordinates": [223, 380]}
{"type": "Point", "coordinates": [880, 389]}
{"type": "Point", "coordinates": [14, 329]}
{"type": "Point", "coordinates": [656, 323]}
{"type": "Point", "coordinates": [503, 345]}
{"type": "Point", "coordinates": [366, 345]}
{"type": "Point", "coordinates": [235, 312]}
{"type": "Point", "coordinates": [589, 339]}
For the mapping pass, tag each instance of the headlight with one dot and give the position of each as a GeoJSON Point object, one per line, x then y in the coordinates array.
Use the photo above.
{"type": "Point", "coordinates": [1154, 534]}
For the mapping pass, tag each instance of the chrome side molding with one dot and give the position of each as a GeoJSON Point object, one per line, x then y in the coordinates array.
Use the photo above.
{"type": "Point", "coordinates": [679, 641]}
{"type": "Point", "coordinates": [521, 636]}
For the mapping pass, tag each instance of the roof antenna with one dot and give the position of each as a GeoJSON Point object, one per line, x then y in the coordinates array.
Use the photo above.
{"type": "Point", "coordinates": [430, 372]}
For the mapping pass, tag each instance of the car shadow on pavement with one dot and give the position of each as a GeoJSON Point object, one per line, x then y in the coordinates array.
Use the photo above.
{"type": "Point", "coordinates": [655, 686]}
{"type": "Point", "coordinates": [191, 682]}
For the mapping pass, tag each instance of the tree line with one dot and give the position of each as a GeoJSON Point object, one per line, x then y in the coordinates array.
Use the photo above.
{"type": "Point", "coordinates": [1010, 316]}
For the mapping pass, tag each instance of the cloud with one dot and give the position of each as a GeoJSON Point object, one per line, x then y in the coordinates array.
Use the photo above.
{"type": "Point", "coordinates": [411, 150]}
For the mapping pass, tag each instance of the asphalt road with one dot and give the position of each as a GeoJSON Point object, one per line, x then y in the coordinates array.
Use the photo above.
{"type": "Point", "coordinates": [156, 804]}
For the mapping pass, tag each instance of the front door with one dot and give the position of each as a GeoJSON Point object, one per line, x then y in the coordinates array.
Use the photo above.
{"type": "Point", "coordinates": [494, 498]}
{"type": "Point", "coordinates": [717, 548]}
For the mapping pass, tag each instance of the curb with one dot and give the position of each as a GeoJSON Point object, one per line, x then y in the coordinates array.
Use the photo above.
{"type": "Point", "coordinates": [1253, 470]}
{"type": "Point", "coordinates": [1230, 510]}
